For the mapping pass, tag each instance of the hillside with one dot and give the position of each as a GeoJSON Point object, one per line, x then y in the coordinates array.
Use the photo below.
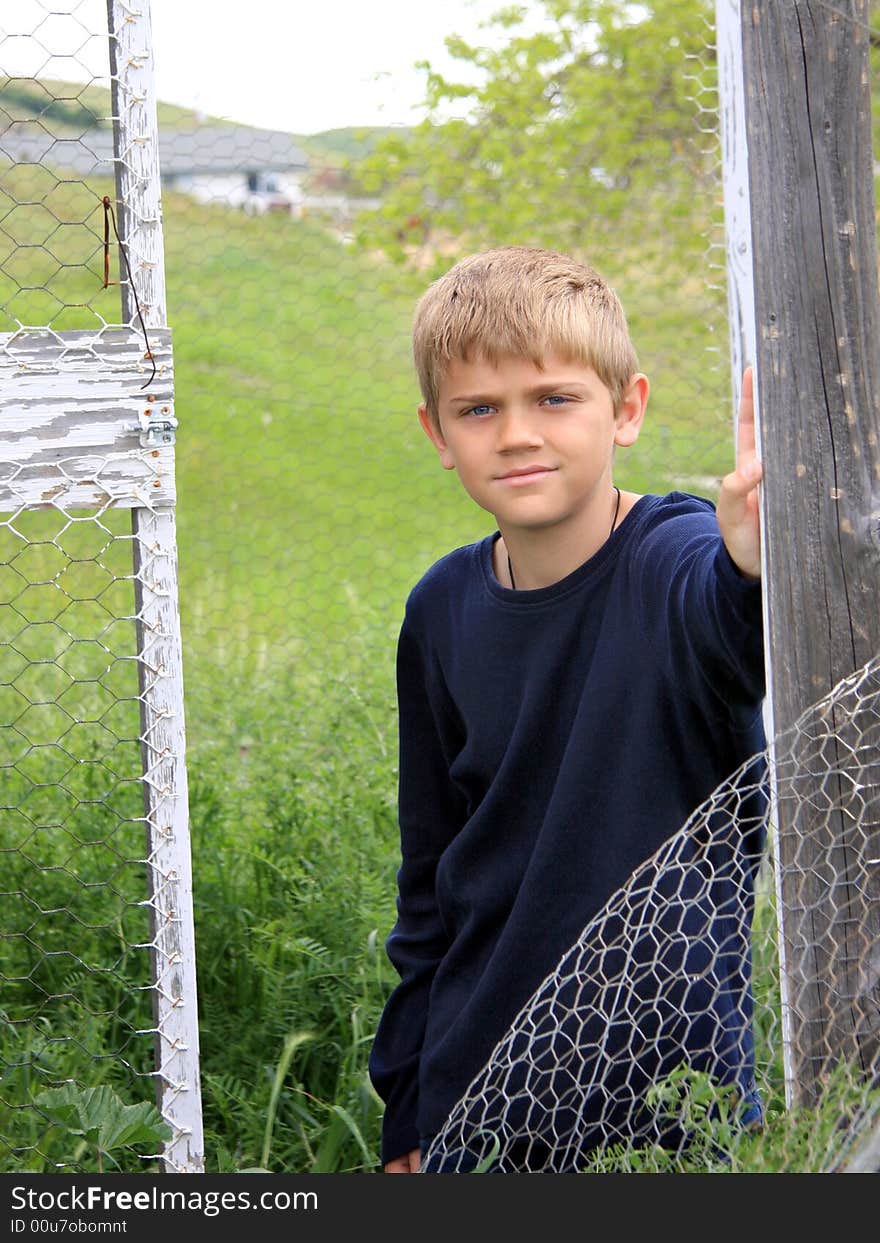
{"type": "Point", "coordinates": [71, 108]}
{"type": "Point", "coordinates": [349, 143]}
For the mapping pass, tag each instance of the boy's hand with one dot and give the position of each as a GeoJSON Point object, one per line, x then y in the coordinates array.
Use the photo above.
{"type": "Point", "coordinates": [737, 509]}
{"type": "Point", "coordinates": [407, 1164]}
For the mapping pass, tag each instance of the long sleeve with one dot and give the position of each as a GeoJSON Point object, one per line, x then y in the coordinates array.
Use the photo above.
{"type": "Point", "coordinates": [430, 813]}
{"type": "Point", "coordinates": [709, 617]}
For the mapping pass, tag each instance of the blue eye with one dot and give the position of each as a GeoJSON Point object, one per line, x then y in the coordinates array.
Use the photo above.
{"type": "Point", "coordinates": [479, 411]}
{"type": "Point", "coordinates": [556, 399]}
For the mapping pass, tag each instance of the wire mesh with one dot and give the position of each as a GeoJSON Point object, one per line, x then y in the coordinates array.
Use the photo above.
{"type": "Point", "coordinates": [91, 737]}
{"type": "Point", "coordinates": [648, 1047]}
{"type": "Point", "coordinates": [76, 922]}
{"type": "Point", "coordinates": [308, 505]}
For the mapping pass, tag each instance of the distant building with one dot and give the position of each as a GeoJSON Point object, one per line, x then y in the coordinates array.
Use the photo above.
{"type": "Point", "coordinates": [254, 169]}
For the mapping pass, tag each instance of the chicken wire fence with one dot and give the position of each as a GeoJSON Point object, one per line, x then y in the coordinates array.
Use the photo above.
{"type": "Point", "coordinates": [591, 1075]}
{"type": "Point", "coordinates": [99, 1008]}
{"type": "Point", "coordinates": [305, 504]}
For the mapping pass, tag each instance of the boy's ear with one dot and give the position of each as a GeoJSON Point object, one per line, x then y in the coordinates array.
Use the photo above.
{"type": "Point", "coordinates": [631, 412]}
{"type": "Point", "coordinates": [431, 428]}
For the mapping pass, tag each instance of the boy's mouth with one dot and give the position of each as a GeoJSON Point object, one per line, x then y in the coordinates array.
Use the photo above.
{"type": "Point", "coordinates": [525, 474]}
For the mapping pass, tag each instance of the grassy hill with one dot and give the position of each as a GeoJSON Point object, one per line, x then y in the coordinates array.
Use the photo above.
{"type": "Point", "coordinates": [70, 108]}
{"type": "Point", "coordinates": [344, 144]}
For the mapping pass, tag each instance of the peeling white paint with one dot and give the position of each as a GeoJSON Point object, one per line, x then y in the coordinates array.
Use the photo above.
{"type": "Point", "coordinates": [69, 410]}
{"type": "Point", "coordinates": [163, 734]}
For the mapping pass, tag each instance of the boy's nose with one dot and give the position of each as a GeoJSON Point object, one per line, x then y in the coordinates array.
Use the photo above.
{"type": "Point", "coordinates": [516, 430]}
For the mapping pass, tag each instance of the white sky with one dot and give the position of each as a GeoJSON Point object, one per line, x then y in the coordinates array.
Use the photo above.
{"type": "Point", "coordinates": [298, 65]}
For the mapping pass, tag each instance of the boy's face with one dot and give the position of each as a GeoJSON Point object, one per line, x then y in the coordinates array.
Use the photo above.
{"type": "Point", "coordinates": [533, 446]}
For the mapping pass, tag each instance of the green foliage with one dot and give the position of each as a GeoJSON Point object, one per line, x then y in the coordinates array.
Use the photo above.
{"type": "Point", "coordinates": [291, 915]}
{"type": "Point", "coordinates": [485, 1163]}
{"type": "Point", "coordinates": [553, 131]}
{"type": "Point", "coordinates": [101, 1120]}
{"type": "Point", "coordinates": [290, 1045]}
{"type": "Point", "coordinates": [706, 1114]}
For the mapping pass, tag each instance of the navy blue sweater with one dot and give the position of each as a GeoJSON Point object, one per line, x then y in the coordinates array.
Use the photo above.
{"type": "Point", "coordinates": [550, 741]}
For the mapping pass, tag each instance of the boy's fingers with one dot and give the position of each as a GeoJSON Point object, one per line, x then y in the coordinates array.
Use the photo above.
{"type": "Point", "coordinates": [741, 481]}
{"type": "Point", "coordinates": [745, 424]}
{"type": "Point", "coordinates": [739, 517]}
{"type": "Point", "coordinates": [734, 495]}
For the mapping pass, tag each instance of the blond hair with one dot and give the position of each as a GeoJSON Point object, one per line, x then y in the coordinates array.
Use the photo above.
{"type": "Point", "coordinates": [524, 301]}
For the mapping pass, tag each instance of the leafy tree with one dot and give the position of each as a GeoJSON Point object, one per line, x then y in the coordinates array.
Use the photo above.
{"type": "Point", "coordinates": [588, 119]}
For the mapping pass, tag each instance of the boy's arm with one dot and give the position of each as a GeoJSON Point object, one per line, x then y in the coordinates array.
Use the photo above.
{"type": "Point", "coordinates": [737, 510]}
{"type": "Point", "coordinates": [699, 580]}
{"type": "Point", "coordinates": [430, 813]}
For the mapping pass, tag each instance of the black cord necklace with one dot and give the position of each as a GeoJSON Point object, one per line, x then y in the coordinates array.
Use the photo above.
{"type": "Point", "coordinates": [610, 533]}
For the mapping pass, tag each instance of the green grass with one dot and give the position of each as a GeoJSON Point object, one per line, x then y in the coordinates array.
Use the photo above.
{"type": "Point", "coordinates": [293, 913]}
{"type": "Point", "coordinates": [309, 503]}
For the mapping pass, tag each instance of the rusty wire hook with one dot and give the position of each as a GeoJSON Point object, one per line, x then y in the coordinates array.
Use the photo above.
{"type": "Point", "coordinates": [110, 217]}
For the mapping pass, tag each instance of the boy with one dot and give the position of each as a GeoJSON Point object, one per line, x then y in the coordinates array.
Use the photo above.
{"type": "Point", "coordinates": [570, 688]}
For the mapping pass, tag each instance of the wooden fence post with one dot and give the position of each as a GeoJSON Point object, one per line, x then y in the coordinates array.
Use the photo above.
{"type": "Point", "coordinates": [163, 735]}
{"type": "Point", "coordinates": [817, 315]}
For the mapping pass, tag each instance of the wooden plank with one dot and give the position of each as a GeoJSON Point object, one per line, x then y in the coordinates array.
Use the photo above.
{"type": "Point", "coordinates": [163, 734]}
{"type": "Point", "coordinates": [818, 372]}
{"type": "Point", "coordinates": [71, 405]}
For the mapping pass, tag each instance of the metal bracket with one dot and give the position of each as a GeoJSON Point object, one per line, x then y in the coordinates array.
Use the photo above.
{"type": "Point", "coordinates": [157, 428]}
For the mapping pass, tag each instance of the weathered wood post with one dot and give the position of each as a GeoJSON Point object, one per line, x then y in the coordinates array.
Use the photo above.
{"type": "Point", "coordinates": [163, 737]}
{"type": "Point", "coordinates": [804, 123]}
